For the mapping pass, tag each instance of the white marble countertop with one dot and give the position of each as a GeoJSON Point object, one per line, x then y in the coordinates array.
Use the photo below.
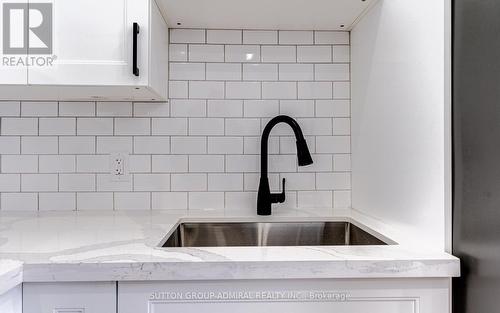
{"type": "Point", "coordinates": [109, 246]}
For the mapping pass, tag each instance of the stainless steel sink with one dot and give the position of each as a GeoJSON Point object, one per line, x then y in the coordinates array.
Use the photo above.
{"type": "Point", "coordinates": [222, 234]}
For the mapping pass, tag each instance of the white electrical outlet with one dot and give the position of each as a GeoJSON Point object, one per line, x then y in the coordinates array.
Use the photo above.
{"type": "Point", "coordinates": [118, 166]}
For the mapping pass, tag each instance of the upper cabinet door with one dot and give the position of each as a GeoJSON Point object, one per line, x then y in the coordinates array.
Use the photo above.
{"type": "Point", "coordinates": [91, 42]}
{"type": "Point", "coordinates": [13, 26]}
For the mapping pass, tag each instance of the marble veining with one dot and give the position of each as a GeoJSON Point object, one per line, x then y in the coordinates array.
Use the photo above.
{"type": "Point", "coordinates": [108, 246]}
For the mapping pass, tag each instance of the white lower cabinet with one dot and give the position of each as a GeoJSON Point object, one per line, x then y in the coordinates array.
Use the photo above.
{"type": "Point", "coordinates": [94, 297]}
{"type": "Point", "coordinates": [291, 296]}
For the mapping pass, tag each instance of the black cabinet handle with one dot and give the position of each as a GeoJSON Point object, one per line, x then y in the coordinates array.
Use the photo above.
{"type": "Point", "coordinates": [135, 68]}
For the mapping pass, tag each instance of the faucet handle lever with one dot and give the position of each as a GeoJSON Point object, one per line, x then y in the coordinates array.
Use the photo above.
{"type": "Point", "coordinates": [279, 197]}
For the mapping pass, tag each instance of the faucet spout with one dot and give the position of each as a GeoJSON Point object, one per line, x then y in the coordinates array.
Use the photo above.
{"type": "Point", "coordinates": [264, 197]}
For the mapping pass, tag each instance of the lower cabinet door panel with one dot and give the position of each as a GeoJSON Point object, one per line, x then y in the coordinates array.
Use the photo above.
{"type": "Point", "coordinates": [290, 296]}
{"type": "Point", "coordinates": [93, 297]}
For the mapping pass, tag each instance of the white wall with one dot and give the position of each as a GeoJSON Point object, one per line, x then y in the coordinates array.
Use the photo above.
{"type": "Point", "coordinates": [400, 117]}
{"type": "Point", "coordinates": [201, 150]}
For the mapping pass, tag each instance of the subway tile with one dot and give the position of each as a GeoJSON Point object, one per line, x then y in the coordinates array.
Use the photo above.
{"type": "Point", "coordinates": [279, 90]}
{"type": "Point", "coordinates": [299, 181]}
{"type": "Point", "coordinates": [187, 71]}
{"type": "Point", "coordinates": [132, 126]}
{"type": "Point", "coordinates": [341, 54]}
{"type": "Point", "coordinates": [189, 182]}
{"type": "Point", "coordinates": [169, 126]}
{"type": "Point", "coordinates": [19, 126]}
{"type": "Point", "coordinates": [169, 200]}
{"type": "Point", "coordinates": [139, 163]}
{"type": "Point", "coordinates": [243, 90]}
{"type": "Point", "coordinates": [295, 37]}
{"type": "Point", "coordinates": [279, 163]}
{"type": "Point", "coordinates": [261, 108]}
{"type": "Point", "coordinates": [206, 163]}
{"type": "Point", "coordinates": [333, 181]}
{"type": "Point", "coordinates": [93, 163]}
{"type": "Point", "coordinates": [296, 72]}
{"type": "Point", "coordinates": [341, 199]}
{"type": "Point", "coordinates": [38, 182]}
{"type": "Point", "coordinates": [297, 108]}
{"type": "Point", "coordinates": [206, 90]}
{"type": "Point", "coordinates": [188, 108]}
{"type": "Point", "coordinates": [331, 37]}
{"type": "Point", "coordinates": [279, 54]}
{"type": "Point", "coordinates": [260, 37]}
{"type": "Point", "coordinates": [94, 201]}
{"type": "Point", "coordinates": [225, 182]}
{"type": "Point", "coordinates": [315, 90]}
{"type": "Point", "coordinates": [288, 144]}
{"type": "Point", "coordinates": [57, 201]}
{"type": "Point", "coordinates": [206, 126]}
{"type": "Point", "coordinates": [252, 145]}
{"type": "Point", "coordinates": [242, 163]}
{"type": "Point", "coordinates": [206, 200]}
{"type": "Point", "coordinates": [151, 182]}
{"type": "Point", "coordinates": [260, 72]}
{"type": "Point", "coordinates": [77, 108]}
{"type": "Point", "coordinates": [77, 145]}
{"type": "Point", "coordinates": [341, 126]}
{"type": "Point", "coordinates": [241, 202]}
{"type": "Point", "coordinates": [19, 201]}
{"type": "Point", "coordinates": [314, 54]}
{"type": "Point", "coordinates": [57, 163]}
{"type": "Point", "coordinates": [10, 108]}
{"type": "Point", "coordinates": [341, 162]}
{"type": "Point", "coordinates": [242, 53]}
{"type": "Point", "coordinates": [76, 182]}
{"type": "Point", "coordinates": [152, 145]}
{"type": "Point", "coordinates": [225, 108]}
{"type": "Point", "coordinates": [146, 109]}
{"type": "Point", "coordinates": [333, 144]}
{"type": "Point", "coordinates": [242, 127]}
{"type": "Point", "coordinates": [333, 108]}
{"type": "Point", "coordinates": [178, 89]}
{"type": "Point", "coordinates": [169, 163]}
{"type": "Point", "coordinates": [315, 199]}
{"type": "Point", "coordinates": [331, 72]}
{"type": "Point", "coordinates": [251, 181]}
{"type": "Point", "coordinates": [224, 36]}
{"type": "Point", "coordinates": [188, 145]}
{"type": "Point", "coordinates": [10, 182]}
{"type": "Point", "coordinates": [187, 35]}
{"type": "Point", "coordinates": [178, 52]}
{"type": "Point", "coordinates": [223, 71]}
{"type": "Point", "coordinates": [341, 90]}
{"type": "Point", "coordinates": [10, 145]}
{"type": "Point", "coordinates": [94, 126]}
{"type": "Point", "coordinates": [132, 201]}
{"type": "Point", "coordinates": [39, 145]}
{"type": "Point", "coordinates": [206, 53]}
{"type": "Point", "coordinates": [38, 108]}
{"type": "Point", "coordinates": [106, 182]}
{"type": "Point", "coordinates": [316, 126]}
{"type": "Point", "coordinates": [114, 144]}
{"type": "Point", "coordinates": [114, 109]}
{"type": "Point", "coordinates": [57, 126]}
{"type": "Point", "coordinates": [225, 145]}
{"type": "Point", "coordinates": [322, 163]}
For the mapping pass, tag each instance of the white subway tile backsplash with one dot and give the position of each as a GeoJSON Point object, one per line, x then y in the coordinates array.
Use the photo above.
{"type": "Point", "coordinates": [341, 90]}
{"type": "Point", "coordinates": [261, 108]}
{"type": "Point", "coordinates": [92, 163]}
{"type": "Point", "coordinates": [10, 182]}
{"type": "Point", "coordinates": [77, 145]}
{"type": "Point", "coordinates": [221, 36]}
{"type": "Point", "coordinates": [188, 145]}
{"type": "Point", "coordinates": [139, 163]}
{"type": "Point", "coordinates": [178, 52]}
{"type": "Point", "coordinates": [287, 144]}
{"type": "Point", "coordinates": [206, 89]}
{"type": "Point", "coordinates": [333, 144]}
{"type": "Point", "coordinates": [10, 145]}
{"type": "Point", "coordinates": [19, 126]}
{"type": "Point", "coordinates": [296, 72]}
{"type": "Point", "coordinates": [152, 145]}
{"type": "Point", "coordinates": [260, 37]}
{"type": "Point", "coordinates": [341, 54]}
{"type": "Point", "coordinates": [242, 53]}
{"type": "Point", "coordinates": [169, 126]}
{"type": "Point", "coordinates": [77, 108]}
{"type": "Point", "coordinates": [94, 201]}
{"type": "Point", "coordinates": [333, 181]}
{"type": "Point", "coordinates": [39, 182]}
{"type": "Point", "coordinates": [331, 37]}
{"type": "Point", "coordinates": [279, 163]}
{"type": "Point", "coordinates": [94, 126]}
{"type": "Point", "coordinates": [299, 181]}
{"type": "Point", "coordinates": [276, 54]}
{"type": "Point", "coordinates": [189, 182]}
{"type": "Point", "coordinates": [151, 109]}
{"type": "Point", "coordinates": [57, 126]}
{"type": "Point", "coordinates": [341, 162]}
{"type": "Point", "coordinates": [38, 108]}
{"type": "Point", "coordinates": [333, 108]}
{"type": "Point", "coordinates": [279, 90]}
{"type": "Point", "coordinates": [57, 163]}
{"type": "Point", "coordinates": [260, 72]}
{"type": "Point", "coordinates": [187, 36]}
{"type": "Point", "coordinates": [106, 145]}
{"type": "Point", "coordinates": [151, 182]}
{"type": "Point", "coordinates": [178, 89]}
{"type": "Point", "coordinates": [39, 145]}
{"type": "Point", "coordinates": [132, 126]}
{"type": "Point", "coordinates": [56, 201]}
{"type": "Point", "coordinates": [242, 163]}
{"type": "Point", "coordinates": [315, 90]}
{"type": "Point", "coordinates": [252, 145]}
{"type": "Point", "coordinates": [314, 54]}
{"type": "Point", "coordinates": [225, 182]}
{"type": "Point", "coordinates": [295, 37]}
{"type": "Point", "coordinates": [187, 71]}
{"type": "Point", "coordinates": [132, 201]}
{"type": "Point", "coordinates": [206, 126]}
{"type": "Point", "coordinates": [169, 200]}
{"type": "Point", "coordinates": [322, 163]}
{"type": "Point", "coordinates": [225, 108]}
{"type": "Point", "coordinates": [342, 199]}
{"type": "Point", "coordinates": [169, 163]}
{"type": "Point", "coordinates": [206, 200]}
{"type": "Point", "coordinates": [76, 182]}
{"type": "Point", "coordinates": [19, 201]}
{"type": "Point", "coordinates": [297, 108]}
{"type": "Point", "coordinates": [315, 126]}
{"type": "Point", "coordinates": [242, 127]}
{"type": "Point", "coordinates": [341, 126]}
{"type": "Point", "coordinates": [243, 90]}
{"type": "Point", "coordinates": [206, 163]}
{"type": "Point", "coordinates": [114, 109]}
{"type": "Point", "coordinates": [105, 182]}
{"type": "Point", "coordinates": [251, 182]}
{"type": "Point", "coordinates": [206, 53]}
{"type": "Point", "coordinates": [10, 108]}
{"type": "Point", "coordinates": [225, 145]}
{"type": "Point", "coordinates": [331, 72]}
{"type": "Point", "coordinates": [315, 199]}
{"type": "Point", "coordinates": [223, 71]}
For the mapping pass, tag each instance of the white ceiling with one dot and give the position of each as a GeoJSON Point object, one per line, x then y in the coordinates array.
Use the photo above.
{"type": "Point", "coordinates": [264, 14]}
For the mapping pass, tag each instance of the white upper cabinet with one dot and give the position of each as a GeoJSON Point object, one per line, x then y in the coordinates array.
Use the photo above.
{"type": "Point", "coordinates": [86, 51]}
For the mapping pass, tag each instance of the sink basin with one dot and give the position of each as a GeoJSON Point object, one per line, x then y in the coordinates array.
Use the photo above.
{"type": "Point", "coordinates": [230, 234]}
